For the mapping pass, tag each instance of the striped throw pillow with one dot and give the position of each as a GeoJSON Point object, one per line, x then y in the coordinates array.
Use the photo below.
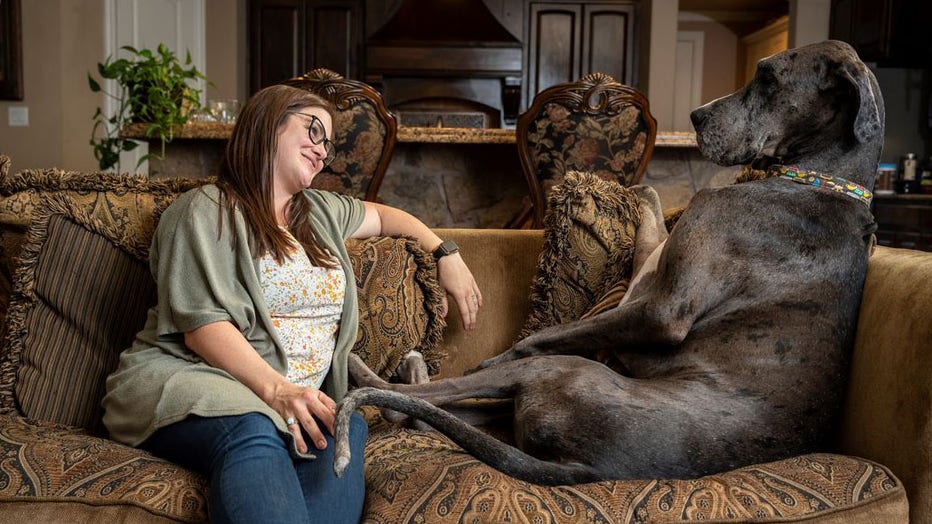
{"type": "Point", "coordinates": [78, 300]}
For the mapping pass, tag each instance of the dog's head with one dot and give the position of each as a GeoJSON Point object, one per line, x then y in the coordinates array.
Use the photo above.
{"type": "Point", "coordinates": [818, 104]}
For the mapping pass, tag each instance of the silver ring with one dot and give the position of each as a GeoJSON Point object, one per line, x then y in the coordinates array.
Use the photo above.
{"type": "Point", "coordinates": [290, 421]}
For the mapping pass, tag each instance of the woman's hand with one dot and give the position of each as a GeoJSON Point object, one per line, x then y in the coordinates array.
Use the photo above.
{"type": "Point", "coordinates": [452, 272]}
{"type": "Point", "coordinates": [459, 283]}
{"type": "Point", "coordinates": [303, 404]}
{"type": "Point", "coordinates": [221, 345]}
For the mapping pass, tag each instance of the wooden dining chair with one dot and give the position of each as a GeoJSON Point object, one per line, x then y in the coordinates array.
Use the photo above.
{"type": "Point", "coordinates": [364, 133]}
{"type": "Point", "coordinates": [594, 124]}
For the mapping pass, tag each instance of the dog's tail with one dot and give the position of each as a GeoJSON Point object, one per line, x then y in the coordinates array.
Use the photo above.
{"type": "Point", "coordinates": [497, 454]}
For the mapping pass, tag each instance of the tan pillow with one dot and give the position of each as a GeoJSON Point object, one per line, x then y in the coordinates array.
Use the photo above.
{"type": "Point", "coordinates": [399, 303]}
{"type": "Point", "coordinates": [589, 233]}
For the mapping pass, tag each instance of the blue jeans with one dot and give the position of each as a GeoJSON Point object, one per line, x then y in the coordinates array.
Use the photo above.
{"type": "Point", "coordinates": [253, 478]}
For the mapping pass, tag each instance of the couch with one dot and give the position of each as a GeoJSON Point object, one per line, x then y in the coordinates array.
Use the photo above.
{"type": "Point", "coordinates": [76, 287]}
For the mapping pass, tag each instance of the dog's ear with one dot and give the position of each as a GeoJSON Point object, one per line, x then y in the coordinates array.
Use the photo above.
{"type": "Point", "coordinates": [869, 120]}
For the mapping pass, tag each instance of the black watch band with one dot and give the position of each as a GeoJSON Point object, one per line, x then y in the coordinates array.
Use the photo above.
{"type": "Point", "coordinates": [447, 247]}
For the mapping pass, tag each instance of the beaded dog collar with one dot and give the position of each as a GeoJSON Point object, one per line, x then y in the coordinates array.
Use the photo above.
{"type": "Point", "coordinates": [814, 178]}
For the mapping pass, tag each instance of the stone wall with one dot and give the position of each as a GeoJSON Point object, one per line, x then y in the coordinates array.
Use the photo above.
{"type": "Point", "coordinates": [455, 185]}
{"type": "Point", "coordinates": [677, 173]}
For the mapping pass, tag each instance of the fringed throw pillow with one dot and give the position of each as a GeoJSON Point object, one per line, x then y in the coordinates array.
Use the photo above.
{"type": "Point", "coordinates": [589, 234]}
{"type": "Point", "coordinates": [399, 303]}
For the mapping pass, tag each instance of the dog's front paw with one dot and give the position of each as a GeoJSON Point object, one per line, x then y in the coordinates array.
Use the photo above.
{"type": "Point", "coordinates": [412, 369]}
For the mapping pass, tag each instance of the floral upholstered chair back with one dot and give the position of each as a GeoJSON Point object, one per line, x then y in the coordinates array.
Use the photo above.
{"type": "Point", "coordinates": [595, 124]}
{"type": "Point", "coordinates": [364, 133]}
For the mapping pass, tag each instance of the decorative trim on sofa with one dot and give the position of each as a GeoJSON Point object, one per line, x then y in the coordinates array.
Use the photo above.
{"type": "Point", "coordinates": [61, 180]}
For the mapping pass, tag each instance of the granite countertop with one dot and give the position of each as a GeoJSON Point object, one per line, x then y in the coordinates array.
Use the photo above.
{"type": "Point", "coordinates": [422, 135]}
{"type": "Point", "coordinates": [191, 130]}
{"type": "Point", "coordinates": [903, 196]}
{"type": "Point", "coordinates": [454, 135]}
{"type": "Point", "coordinates": [675, 139]}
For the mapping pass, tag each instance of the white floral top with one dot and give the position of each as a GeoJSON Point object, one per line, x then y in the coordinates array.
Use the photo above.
{"type": "Point", "coordinates": [305, 303]}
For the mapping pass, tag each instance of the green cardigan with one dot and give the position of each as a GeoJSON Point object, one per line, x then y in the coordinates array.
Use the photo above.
{"type": "Point", "coordinates": [201, 279]}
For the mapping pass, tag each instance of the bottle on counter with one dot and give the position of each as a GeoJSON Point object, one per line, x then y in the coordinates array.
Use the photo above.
{"type": "Point", "coordinates": [909, 171]}
{"type": "Point", "coordinates": [886, 174]}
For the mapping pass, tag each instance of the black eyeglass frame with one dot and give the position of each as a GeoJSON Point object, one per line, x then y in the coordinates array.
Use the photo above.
{"type": "Point", "coordinates": [328, 145]}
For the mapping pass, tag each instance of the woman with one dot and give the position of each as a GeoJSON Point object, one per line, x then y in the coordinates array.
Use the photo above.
{"type": "Point", "coordinates": [242, 359]}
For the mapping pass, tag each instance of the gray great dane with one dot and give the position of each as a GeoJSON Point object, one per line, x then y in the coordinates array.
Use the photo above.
{"type": "Point", "coordinates": [735, 334]}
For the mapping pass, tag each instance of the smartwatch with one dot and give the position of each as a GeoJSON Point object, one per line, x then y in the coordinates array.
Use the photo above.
{"type": "Point", "coordinates": [447, 247]}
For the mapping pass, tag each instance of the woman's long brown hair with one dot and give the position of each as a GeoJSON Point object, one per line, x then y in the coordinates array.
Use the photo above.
{"type": "Point", "coordinates": [245, 177]}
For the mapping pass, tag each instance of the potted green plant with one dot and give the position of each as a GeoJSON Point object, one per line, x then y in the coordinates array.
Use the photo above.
{"type": "Point", "coordinates": [155, 88]}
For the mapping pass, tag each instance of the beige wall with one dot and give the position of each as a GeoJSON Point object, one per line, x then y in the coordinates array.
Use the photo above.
{"type": "Point", "coordinates": [226, 49]}
{"type": "Point", "coordinates": [660, 55]}
{"type": "Point", "coordinates": [719, 58]}
{"type": "Point", "coordinates": [81, 49]}
{"type": "Point", "coordinates": [809, 21]}
{"type": "Point", "coordinates": [63, 41]}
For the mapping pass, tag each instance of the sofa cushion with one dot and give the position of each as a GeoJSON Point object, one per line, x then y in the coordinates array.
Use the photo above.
{"type": "Point", "coordinates": [415, 476]}
{"type": "Point", "coordinates": [589, 233]}
{"type": "Point", "coordinates": [399, 303]}
{"type": "Point", "coordinates": [64, 475]}
{"type": "Point", "coordinates": [6, 281]}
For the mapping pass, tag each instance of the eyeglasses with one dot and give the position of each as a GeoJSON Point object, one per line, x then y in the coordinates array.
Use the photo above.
{"type": "Point", "coordinates": [318, 135]}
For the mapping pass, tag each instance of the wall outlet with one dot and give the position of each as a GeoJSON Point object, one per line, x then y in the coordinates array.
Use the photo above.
{"type": "Point", "coordinates": [19, 116]}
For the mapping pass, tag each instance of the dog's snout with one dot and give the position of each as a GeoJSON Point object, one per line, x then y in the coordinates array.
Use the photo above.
{"type": "Point", "coordinates": [699, 116]}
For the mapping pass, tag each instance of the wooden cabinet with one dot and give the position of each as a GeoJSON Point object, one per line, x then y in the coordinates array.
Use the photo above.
{"type": "Point", "coordinates": [524, 46]}
{"type": "Point", "coordinates": [904, 221]}
{"type": "Point", "coordinates": [893, 33]}
{"type": "Point", "coordinates": [289, 37]}
{"type": "Point", "coordinates": [567, 40]}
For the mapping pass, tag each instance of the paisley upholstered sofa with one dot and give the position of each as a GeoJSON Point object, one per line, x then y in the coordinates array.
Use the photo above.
{"type": "Point", "coordinates": [76, 288]}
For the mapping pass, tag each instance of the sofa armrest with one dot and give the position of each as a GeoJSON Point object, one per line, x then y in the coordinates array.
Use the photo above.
{"type": "Point", "coordinates": [504, 262]}
{"type": "Point", "coordinates": [888, 414]}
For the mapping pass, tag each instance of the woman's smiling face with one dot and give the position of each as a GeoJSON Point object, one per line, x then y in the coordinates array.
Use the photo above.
{"type": "Point", "coordinates": [298, 159]}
